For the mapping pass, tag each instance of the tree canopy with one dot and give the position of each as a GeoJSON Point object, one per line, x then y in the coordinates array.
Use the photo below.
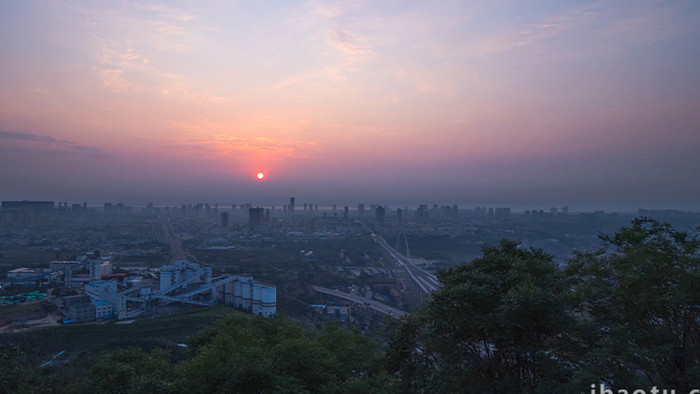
{"type": "Point", "coordinates": [495, 325]}
{"type": "Point", "coordinates": [639, 305]}
{"type": "Point", "coordinates": [626, 316]}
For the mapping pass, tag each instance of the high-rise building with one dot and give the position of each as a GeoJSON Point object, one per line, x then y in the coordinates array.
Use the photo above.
{"type": "Point", "coordinates": [224, 219]}
{"type": "Point", "coordinates": [256, 217]}
{"type": "Point", "coordinates": [345, 214]}
{"type": "Point", "coordinates": [399, 215]}
{"type": "Point", "coordinates": [291, 204]}
{"type": "Point", "coordinates": [361, 209]}
{"type": "Point", "coordinates": [421, 212]}
{"type": "Point", "coordinates": [381, 214]}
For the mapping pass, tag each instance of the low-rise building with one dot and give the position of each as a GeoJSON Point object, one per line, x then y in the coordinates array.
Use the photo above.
{"type": "Point", "coordinates": [31, 274]}
{"type": "Point", "coordinates": [80, 309]}
{"type": "Point", "coordinates": [103, 310]}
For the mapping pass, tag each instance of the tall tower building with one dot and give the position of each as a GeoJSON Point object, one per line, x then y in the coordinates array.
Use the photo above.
{"type": "Point", "coordinates": [224, 219]}
{"type": "Point", "coordinates": [256, 217]}
{"type": "Point", "coordinates": [421, 212]}
{"type": "Point", "coordinates": [381, 214]}
{"type": "Point", "coordinates": [291, 204]}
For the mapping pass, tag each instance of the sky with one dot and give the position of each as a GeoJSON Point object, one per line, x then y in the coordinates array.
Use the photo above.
{"type": "Point", "coordinates": [350, 101]}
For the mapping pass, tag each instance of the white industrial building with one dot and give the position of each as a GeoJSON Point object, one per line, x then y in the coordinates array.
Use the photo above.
{"type": "Point", "coordinates": [106, 291]}
{"type": "Point", "coordinates": [187, 282]}
{"type": "Point", "coordinates": [103, 310]}
{"type": "Point", "coordinates": [181, 274]}
{"type": "Point", "coordinates": [245, 293]}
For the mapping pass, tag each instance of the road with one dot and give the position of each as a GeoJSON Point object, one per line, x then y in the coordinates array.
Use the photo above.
{"type": "Point", "coordinates": [174, 240]}
{"type": "Point", "coordinates": [424, 279]}
{"type": "Point", "coordinates": [375, 305]}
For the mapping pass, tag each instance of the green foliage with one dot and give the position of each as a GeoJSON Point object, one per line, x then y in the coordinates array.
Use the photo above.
{"type": "Point", "coordinates": [628, 315]}
{"type": "Point", "coordinates": [127, 370]}
{"type": "Point", "coordinates": [495, 325]}
{"type": "Point", "coordinates": [639, 302]}
{"type": "Point", "coordinates": [255, 354]}
{"type": "Point", "coordinates": [16, 374]}
{"type": "Point", "coordinates": [239, 355]}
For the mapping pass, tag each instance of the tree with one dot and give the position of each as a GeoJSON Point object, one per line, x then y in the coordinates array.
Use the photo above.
{"type": "Point", "coordinates": [497, 324]}
{"type": "Point", "coordinates": [17, 375]}
{"type": "Point", "coordinates": [254, 354]}
{"type": "Point", "coordinates": [639, 306]}
{"type": "Point", "coordinates": [127, 370]}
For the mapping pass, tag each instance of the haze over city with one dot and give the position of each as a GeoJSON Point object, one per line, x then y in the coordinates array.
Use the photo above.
{"type": "Point", "coordinates": [571, 102]}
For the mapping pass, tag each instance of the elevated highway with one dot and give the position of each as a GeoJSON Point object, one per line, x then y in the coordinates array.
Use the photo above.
{"type": "Point", "coordinates": [374, 305]}
{"type": "Point", "coordinates": [426, 281]}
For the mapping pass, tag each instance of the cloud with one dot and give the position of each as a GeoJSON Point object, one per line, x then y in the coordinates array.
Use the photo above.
{"type": "Point", "coordinates": [55, 146]}
{"type": "Point", "coordinates": [327, 10]}
{"type": "Point", "coordinates": [165, 12]}
{"type": "Point", "coordinates": [227, 146]}
{"type": "Point", "coordinates": [606, 25]}
{"type": "Point", "coordinates": [294, 80]}
{"type": "Point", "coordinates": [544, 29]}
{"type": "Point", "coordinates": [124, 70]}
{"type": "Point", "coordinates": [113, 79]}
{"type": "Point", "coordinates": [345, 36]}
{"type": "Point", "coordinates": [138, 46]}
{"type": "Point", "coordinates": [30, 137]}
{"type": "Point", "coordinates": [346, 41]}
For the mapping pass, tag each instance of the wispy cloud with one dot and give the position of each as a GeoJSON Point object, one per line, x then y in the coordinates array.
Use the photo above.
{"type": "Point", "coordinates": [113, 79]}
{"type": "Point", "coordinates": [227, 146]}
{"type": "Point", "coordinates": [135, 51]}
{"type": "Point", "coordinates": [165, 12]}
{"type": "Point", "coordinates": [294, 80]}
{"type": "Point", "coordinates": [541, 30]}
{"type": "Point", "coordinates": [347, 48]}
{"type": "Point", "coordinates": [347, 41]}
{"type": "Point", "coordinates": [44, 143]}
{"type": "Point", "coordinates": [282, 149]}
{"type": "Point", "coordinates": [30, 137]}
{"type": "Point", "coordinates": [125, 70]}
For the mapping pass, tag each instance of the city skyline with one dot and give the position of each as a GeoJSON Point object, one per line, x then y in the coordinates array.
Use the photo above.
{"type": "Point", "coordinates": [351, 102]}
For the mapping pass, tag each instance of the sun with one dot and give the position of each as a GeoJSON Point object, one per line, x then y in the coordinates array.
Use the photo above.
{"type": "Point", "coordinates": [260, 176]}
